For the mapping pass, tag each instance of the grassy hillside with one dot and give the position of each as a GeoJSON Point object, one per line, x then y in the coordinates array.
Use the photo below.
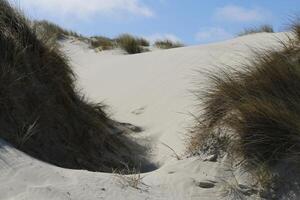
{"type": "Point", "coordinates": [42, 114]}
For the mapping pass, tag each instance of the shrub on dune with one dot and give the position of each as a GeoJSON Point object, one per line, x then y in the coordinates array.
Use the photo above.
{"type": "Point", "coordinates": [167, 44]}
{"type": "Point", "coordinates": [41, 112]}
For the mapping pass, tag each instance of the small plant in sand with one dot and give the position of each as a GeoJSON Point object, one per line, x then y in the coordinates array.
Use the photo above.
{"type": "Point", "coordinates": [130, 177]}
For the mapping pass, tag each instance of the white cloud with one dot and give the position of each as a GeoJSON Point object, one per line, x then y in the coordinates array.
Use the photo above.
{"type": "Point", "coordinates": [212, 34]}
{"type": "Point", "coordinates": [83, 9]}
{"type": "Point", "coordinates": [161, 36]}
{"type": "Point", "coordinates": [240, 14]}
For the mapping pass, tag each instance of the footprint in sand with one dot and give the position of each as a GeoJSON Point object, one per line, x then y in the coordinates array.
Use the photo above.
{"type": "Point", "coordinates": [139, 111]}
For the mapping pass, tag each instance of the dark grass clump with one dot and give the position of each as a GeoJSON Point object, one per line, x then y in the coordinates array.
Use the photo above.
{"type": "Point", "coordinates": [131, 44]}
{"type": "Point", "coordinates": [261, 29]}
{"type": "Point", "coordinates": [102, 42]}
{"type": "Point", "coordinates": [167, 44]}
{"type": "Point", "coordinates": [259, 104]}
{"type": "Point", "coordinates": [40, 111]}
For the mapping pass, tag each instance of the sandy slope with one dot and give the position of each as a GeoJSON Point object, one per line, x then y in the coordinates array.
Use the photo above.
{"type": "Point", "coordinates": [150, 90]}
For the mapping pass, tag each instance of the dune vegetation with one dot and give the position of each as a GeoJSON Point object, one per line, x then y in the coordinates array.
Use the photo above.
{"type": "Point", "coordinates": [42, 114]}
{"type": "Point", "coordinates": [260, 29]}
{"type": "Point", "coordinates": [167, 44]}
{"type": "Point", "coordinates": [252, 112]}
{"type": "Point", "coordinates": [104, 43]}
{"type": "Point", "coordinates": [53, 33]}
{"type": "Point", "coordinates": [131, 44]}
{"type": "Point", "coordinates": [49, 29]}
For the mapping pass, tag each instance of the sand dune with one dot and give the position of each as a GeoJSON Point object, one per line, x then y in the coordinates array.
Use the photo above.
{"type": "Point", "coordinates": [151, 90]}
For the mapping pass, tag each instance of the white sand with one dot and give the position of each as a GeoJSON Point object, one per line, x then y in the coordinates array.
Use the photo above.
{"type": "Point", "coordinates": [151, 90]}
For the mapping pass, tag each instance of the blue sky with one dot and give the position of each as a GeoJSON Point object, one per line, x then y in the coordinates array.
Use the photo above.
{"type": "Point", "coordinates": [190, 21]}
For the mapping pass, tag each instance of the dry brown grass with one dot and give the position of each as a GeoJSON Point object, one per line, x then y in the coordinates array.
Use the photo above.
{"type": "Point", "coordinates": [130, 177]}
{"type": "Point", "coordinates": [259, 102]}
{"type": "Point", "coordinates": [258, 107]}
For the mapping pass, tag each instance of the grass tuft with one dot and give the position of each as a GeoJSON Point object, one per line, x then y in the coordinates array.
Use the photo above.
{"type": "Point", "coordinates": [167, 44]}
{"type": "Point", "coordinates": [48, 29]}
{"type": "Point", "coordinates": [143, 42]}
{"type": "Point", "coordinates": [261, 29]}
{"type": "Point", "coordinates": [128, 177]}
{"type": "Point", "coordinates": [131, 44]}
{"type": "Point", "coordinates": [258, 106]}
{"type": "Point", "coordinates": [260, 103]}
{"type": "Point", "coordinates": [103, 43]}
